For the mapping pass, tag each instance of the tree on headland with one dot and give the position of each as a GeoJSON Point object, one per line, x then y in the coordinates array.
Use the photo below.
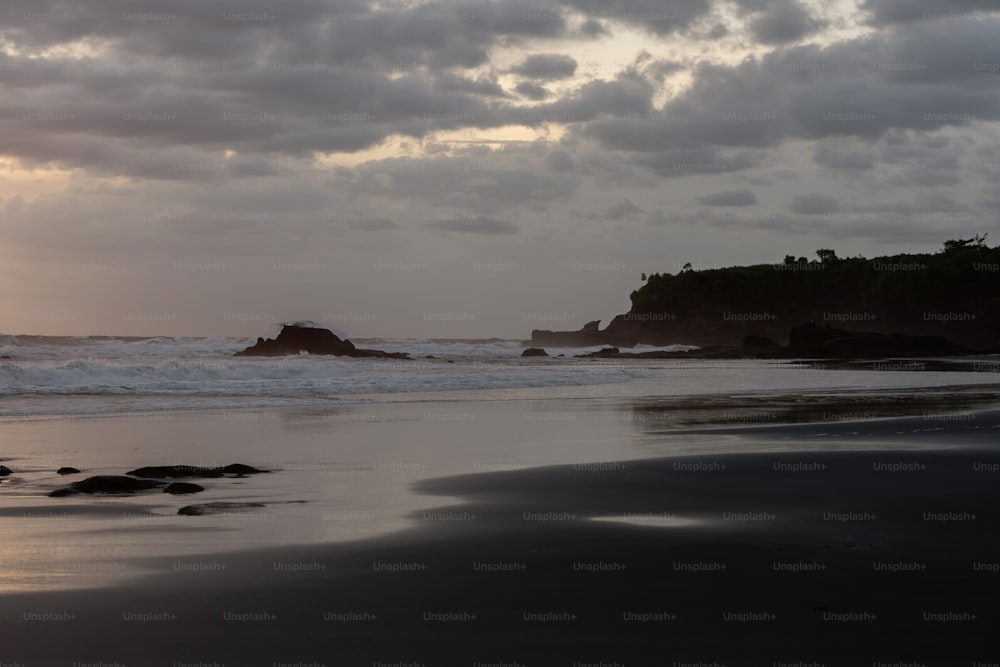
{"type": "Point", "coordinates": [977, 242]}
{"type": "Point", "coordinates": [826, 256]}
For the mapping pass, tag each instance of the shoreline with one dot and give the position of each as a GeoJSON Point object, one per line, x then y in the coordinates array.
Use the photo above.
{"type": "Point", "coordinates": [618, 576]}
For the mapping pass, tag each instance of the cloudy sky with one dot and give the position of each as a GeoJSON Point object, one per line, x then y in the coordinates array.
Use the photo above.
{"type": "Point", "coordinates": [468, 168]}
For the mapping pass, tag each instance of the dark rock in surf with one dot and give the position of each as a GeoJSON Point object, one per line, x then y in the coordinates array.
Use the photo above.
{"type": "Point", "coordinates": [178, 488]}
{"type": "Point", "coordinates": [607, 352]}
{"type": "Point", "coordinates": [4, 471]}
{"type": "Point", "coordinates": [112, 484]}
{"type": "Point", "coordinates": [67, 470]}
{"type": "Point", "coordinates": [589, 334]}
{"type": "Point", "coordinates": [173, 472]}
{"type": "Point", "coordinates": [215, 508]}
{"type": "Point", "coordinates": [170, 472]}
{"type": "Point", "coordinates": [534, 352]}
{"type": "Point", "coordinates": [295, 339]}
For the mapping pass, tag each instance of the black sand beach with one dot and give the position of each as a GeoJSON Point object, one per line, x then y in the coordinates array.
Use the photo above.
{"type": "Point", "coordinates": [846, 552]}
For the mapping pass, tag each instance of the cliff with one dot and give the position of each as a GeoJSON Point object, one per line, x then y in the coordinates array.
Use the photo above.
{"type": "Point", "coordinates": [953, 294]}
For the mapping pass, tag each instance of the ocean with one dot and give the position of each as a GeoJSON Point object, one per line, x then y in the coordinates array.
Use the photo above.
{"type": "Point", "coordinates": [46, 376]}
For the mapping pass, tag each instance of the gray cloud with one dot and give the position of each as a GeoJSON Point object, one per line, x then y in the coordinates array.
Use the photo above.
{"type": "Point", "coordinates": [902, 11]}
{"type": "Point", "coordinates": [532, 91]}
{"type": "Point", "coordinates": [730, 198]}
{"type": "Point", "coordinates": [653, 15]}
{"type": "Point", "coordinates": [785, 21]}
{"type": "Point", "coordinates": [814, 203]}
{"type": "Point", "coordinates": [218, 132]}
{"type": "Point", "coordinates": [478, 225]}
{"type": "Point", "coordinates": [546, 67]}
{"type": "Point", "coordinates": [624, 209]}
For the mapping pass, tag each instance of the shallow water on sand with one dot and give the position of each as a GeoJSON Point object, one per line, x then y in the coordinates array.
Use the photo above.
{"type": "Point", "coordinates": [346, 473]}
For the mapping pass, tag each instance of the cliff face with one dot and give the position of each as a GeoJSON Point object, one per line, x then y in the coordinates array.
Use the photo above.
{"type": "Point", "coordinates": [296, 339]}
{"type": "Point", "coordinates": [954, 295]}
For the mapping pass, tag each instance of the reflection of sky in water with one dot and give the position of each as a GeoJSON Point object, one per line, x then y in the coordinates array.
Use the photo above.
{"type": "Point", "coordinates": [353, 466]}
{"type": "Point", "coordinates": [651, 520]}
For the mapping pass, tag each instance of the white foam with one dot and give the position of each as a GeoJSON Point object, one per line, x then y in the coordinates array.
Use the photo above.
{"type": "Point", "coordinates": [168, 372]}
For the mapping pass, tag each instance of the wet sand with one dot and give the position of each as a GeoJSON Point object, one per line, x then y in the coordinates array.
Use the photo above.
{"type": "Point", "coordinates": [875, 543]}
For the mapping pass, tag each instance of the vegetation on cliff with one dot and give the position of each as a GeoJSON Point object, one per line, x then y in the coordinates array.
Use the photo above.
{"type": "Point", "coordinates": [912, 293]}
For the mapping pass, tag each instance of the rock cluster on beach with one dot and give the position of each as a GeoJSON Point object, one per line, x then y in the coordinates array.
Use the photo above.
{"type": "Point", "coordinates": [806, 341]}
{"type": "Point", "coordinates": [295, 339]}
{"type": "Point", "coordinates": [152, 477]}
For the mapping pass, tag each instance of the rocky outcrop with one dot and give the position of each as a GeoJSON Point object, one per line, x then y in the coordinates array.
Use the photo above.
{"type": "Point", "coordinates": [113, 484]}
{"type": "Point", "coordinates": [588, 336]}
{"type": "Point", "coordinates": [67, 470]}
{"type": "Point", "coordinates": [216, 508]}
{"type": "Point", "coordinates": [814, 341]}
{"type": "Point", "coordinates": [178, 488]}
{"type": "Point", "coordinates": [534, 352]}
{"type": "Point", "coordinates": [295, 339]}
{"type": "Point", "coordinates": [808, 341]}
{"type": "Point", "coordinates": [171, 472]}
{"type": "Point", "coordinates": [4, 471]}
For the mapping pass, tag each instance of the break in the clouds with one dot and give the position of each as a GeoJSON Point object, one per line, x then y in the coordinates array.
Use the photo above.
{"type": "Point", "coordinates": [233, 165]}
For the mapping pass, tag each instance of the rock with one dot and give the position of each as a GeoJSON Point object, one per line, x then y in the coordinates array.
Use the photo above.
{"type": "Point", "coordinates": [215, 508]}
{"type": "Point", "coordinates": [240, 469]}
{"type": "Point", "coordinates": [295, 339]}
{"type": "Point", "coordinates": [604, 352]}
{"type": "Point", "coordinates": [67, 470]}
{"type": "Point", "coordinates": [107, 484]}
{"type": "Point", "coordinates": [534, 352]}
{"type": "Point", "coordinates": [170, 472]}
{"type": "Point", "coordinates": [762, 347]}
{"type": "Point", "coordinates": [588, 335]}
{"type": "Point", "coordinates": [4, 471]}
{"type": "Point", "coordinates": [177, 488]}
{"type": "Point", "coordinates": [810, 340]}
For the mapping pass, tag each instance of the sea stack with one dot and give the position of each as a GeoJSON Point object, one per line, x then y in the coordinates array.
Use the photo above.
{"type": "Point", "coordinates": [297, 338]}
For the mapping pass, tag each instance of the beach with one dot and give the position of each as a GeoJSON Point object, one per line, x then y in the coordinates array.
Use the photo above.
{"type": "Point", "coordinates": [586, 532]}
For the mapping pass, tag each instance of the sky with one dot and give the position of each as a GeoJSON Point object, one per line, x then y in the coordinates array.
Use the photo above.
{"type": "Point", "coordinates": [469, 168]}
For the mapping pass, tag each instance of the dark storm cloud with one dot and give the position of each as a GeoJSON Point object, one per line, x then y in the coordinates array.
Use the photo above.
{"type": "Point", "coordinates": [486, 87]}
{"type": "Point", "coordinates": [900, 11]}
{"type": "Point", "coordinates": [482, 184]}
{"type": "Point", "coordinates": [844, 154]}
{"type": "Point", "coordinates": [919, 80]}
{"type": "Point", "coordinates": [730, 198]}
{"type": "Point", "coordinates": [784, 21]}
{"type": "Point", "coordinates": [532, 91]}
{"type": "Point", "coordinates": [478, 225]}
{"type": "Point", "coordinates": [546, 67]}
{"type": "Point", "coordinates": [814, 203]}
{"type": "Point", "coordinates": [656, 16]}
